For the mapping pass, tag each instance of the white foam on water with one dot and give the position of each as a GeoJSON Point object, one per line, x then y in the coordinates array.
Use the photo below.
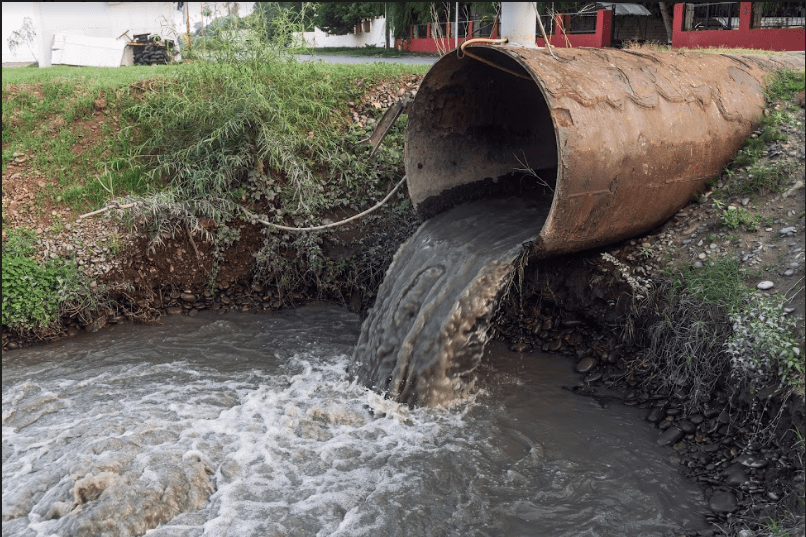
{"type": "Point", "coordinates": [127, 450]}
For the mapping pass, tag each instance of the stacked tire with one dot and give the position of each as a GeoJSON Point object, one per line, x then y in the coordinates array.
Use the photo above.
{"type": "Point", "coordinates": [150, 55]}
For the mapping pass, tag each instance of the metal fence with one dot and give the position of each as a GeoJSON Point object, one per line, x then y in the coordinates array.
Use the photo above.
{"type": "Point", "coordinates": [712, 16]}
{"type": "Point", "coordinates": [548, 23]}
{"type": "Point", "coordinates": [577, 23]}
{"type": "Point", "coordinates": [419, 31]}
{"type": "Point", "coordinates": [438, 29]}
{"type": "Point", "coordinates": [778, 15]}
{"type": "Point", "coordinates": [482, 27]}
{"type": "Point", "coordinates": [581, 23]}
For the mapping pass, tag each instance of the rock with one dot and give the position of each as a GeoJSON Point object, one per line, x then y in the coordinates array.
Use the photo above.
{"type": "Point", "coordinates": [593, 377]}
{"type": "Point", "coordinates": [723, 501]}
{"type": "Point", "coordinates": [787, 230]}
{"type": "Point", "coordinates": [766, 284]}
{"type": "Point", "coordinates": [586, 364]}
{"type": "Point", "coordinates": [614, 356]}
{"type": "Point", "coordinates": [188, 297]}
{"type": "Point", "coordinates": [751, 462]}
{"type": "Point", "coordinates": [686, 426]}
{"type": "Point", "coordinates": [734, 476]}
{"type": "Point", "coordinates": [520, 347]}
{"type": "Point", "coordinates": [193, 312]}
{"type": "Point", "coordinates": [174, 310]}
{"type": "Point", "coordinates": [670, 436]}
{"type": "Point", "coordinates": [556, 345]}
{"type": "Point", "coordinates": [655, 415]}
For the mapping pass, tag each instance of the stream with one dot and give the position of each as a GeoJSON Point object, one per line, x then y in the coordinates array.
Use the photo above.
{"type": "Point", "coordinates": [249, 425]}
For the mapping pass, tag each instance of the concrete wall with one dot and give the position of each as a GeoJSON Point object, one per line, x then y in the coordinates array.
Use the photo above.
{"type": "Point", "coordinates": [375, 36]}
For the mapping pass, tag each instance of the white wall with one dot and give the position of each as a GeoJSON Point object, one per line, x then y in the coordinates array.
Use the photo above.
{"type": "Point", "coordinates": [375, 36]}
{"type": "Point", "coordinates": [101, 19]}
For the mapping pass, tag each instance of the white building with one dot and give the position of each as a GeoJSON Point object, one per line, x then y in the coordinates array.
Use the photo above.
{"type": "Point", "coordinates": [368, 33]}
{"type": "Point", "coordinates": [120, 21]}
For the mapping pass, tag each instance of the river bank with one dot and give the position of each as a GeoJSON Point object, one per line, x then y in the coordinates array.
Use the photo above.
{"type": "Point", "coordinates": [581, 305]}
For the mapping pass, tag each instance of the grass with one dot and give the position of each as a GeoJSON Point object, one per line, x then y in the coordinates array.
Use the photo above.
{"type": "Point", "coordinates": [100, 77]}
{"type": "Point", "coordinates": [361, 52]}
{"type": "Point", "coordinates": [657, 47]}
{"type": "Point", "coordinates": [48, 120]}
{"type": "Point", "coordinates": [759, 176]}
{"type": "Point", "coordinates": [46, 114]}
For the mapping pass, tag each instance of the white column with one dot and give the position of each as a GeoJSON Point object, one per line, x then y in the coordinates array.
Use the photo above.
{"type": "Point", "coordinates": [519, 23]}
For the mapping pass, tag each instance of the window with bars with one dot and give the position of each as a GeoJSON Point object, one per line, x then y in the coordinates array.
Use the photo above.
{"type": "Point", "coordinates": [712, 16]}
{"type": "Point", "coordinates": [778, 15]}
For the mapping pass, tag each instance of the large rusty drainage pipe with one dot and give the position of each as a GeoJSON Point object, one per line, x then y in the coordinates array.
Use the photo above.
{"type": "Point", "coordinates": [618, 140]}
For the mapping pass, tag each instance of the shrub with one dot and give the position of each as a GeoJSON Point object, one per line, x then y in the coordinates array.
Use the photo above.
{"type": "Point", "coordinates": [29, 293]}
{"type": "Point", "coordinates": [762, 342]}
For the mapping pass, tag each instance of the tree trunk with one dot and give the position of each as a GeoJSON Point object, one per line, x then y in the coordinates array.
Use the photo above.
{"type": "Point", "coordinates": [667, 20]}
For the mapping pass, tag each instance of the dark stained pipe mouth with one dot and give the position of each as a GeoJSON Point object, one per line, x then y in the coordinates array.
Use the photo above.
{"type": "Point", "coordinates": [479, 132]}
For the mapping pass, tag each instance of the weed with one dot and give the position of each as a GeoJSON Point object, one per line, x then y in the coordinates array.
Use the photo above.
{"type": "Point", "coordinates": [57, 226]}
{"type": "Point", "coordinates": [735, 218]}
{"type": "Point", "coordinates": [114, 244]}
{"type": "Point", "coordinates": [783, 84]}
{"type": "Point", "coordinates": [763, 179]}
{"type": "Point", "coordinates": [20, 242]}
{"type": "Point", "coordinates": [750, 153]}
{"type": "Point", "coordinates": [763, 341]}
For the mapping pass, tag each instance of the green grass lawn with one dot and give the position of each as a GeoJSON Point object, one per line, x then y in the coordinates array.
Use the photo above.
{"type": "Point", "coordinates": [104, 77]}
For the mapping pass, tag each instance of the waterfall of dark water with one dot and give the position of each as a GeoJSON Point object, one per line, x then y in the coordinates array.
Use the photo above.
{"type": "Point", "coordinates": [427, 330]}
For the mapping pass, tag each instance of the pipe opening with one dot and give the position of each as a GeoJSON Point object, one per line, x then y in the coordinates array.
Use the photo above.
{"type": "Point", "coordinates": [479, 131]}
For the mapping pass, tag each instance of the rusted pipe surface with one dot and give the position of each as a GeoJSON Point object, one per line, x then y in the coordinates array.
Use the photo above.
{"type": "Point", "coordinates": [620, 139]}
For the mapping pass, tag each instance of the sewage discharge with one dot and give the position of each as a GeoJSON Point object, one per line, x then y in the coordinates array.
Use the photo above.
{"type": "Point", "coordinates": [627, 138]}
{"type": "Point", "coordinates": [426, 333]}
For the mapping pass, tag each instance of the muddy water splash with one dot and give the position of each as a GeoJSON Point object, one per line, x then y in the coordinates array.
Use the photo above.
{"type": "Point", "coordinates": [427, 330]}
{"type": "Point", "coordinates": [248, 426]}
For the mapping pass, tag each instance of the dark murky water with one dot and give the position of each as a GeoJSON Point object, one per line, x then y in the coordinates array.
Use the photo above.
{"type": "Point", "coordinates": [427, 330]}
{"type": "Point", "coordinates": [249, 426]}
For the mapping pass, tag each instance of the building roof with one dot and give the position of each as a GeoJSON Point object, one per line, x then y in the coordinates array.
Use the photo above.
{"type": "Point", "coordinates": [625, 9]}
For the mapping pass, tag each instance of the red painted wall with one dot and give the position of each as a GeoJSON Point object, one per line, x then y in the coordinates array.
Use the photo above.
{"type": "Point", "coordinates": [604, 23]}
{"type": "Point", "coordinates": [743, 37]}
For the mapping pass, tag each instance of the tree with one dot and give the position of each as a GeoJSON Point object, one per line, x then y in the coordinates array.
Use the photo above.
{"type": "Point", "coordinates": [26, 34]}
{"type": "Point", "coordinates": [339, 18]}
